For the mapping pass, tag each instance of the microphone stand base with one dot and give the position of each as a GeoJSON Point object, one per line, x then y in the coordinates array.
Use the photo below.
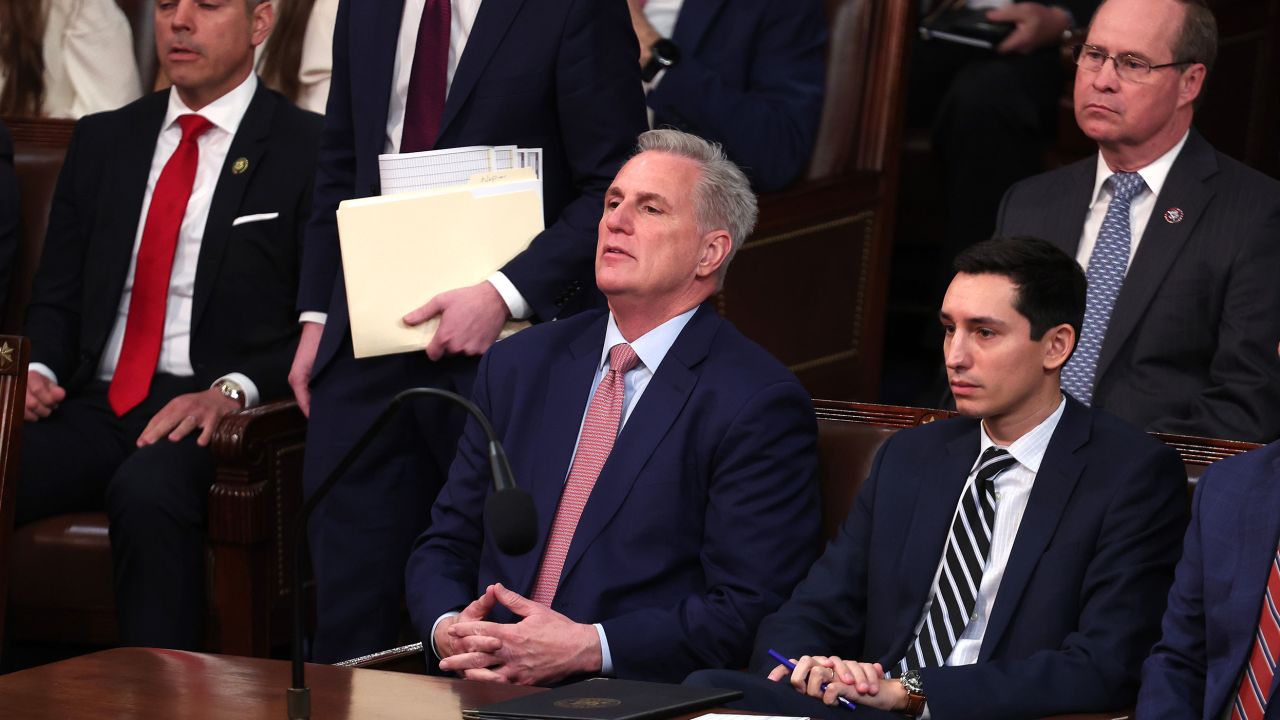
{"type": "Point", "coordinates": [299, 703]}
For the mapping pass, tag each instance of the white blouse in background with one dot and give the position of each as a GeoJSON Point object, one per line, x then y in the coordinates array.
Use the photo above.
{"type": "Point", "coordinates": [89, 64]}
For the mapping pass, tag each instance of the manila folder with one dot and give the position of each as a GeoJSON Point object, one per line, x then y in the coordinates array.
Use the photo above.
{"type": "Point", "coordinates": [398, 251]}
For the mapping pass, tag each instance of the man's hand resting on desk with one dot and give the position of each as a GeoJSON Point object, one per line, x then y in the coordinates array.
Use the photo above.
{"type": "Point", "coordinates": [470, 320]}
{"type": "Point", "coordinates": [542, 648]}
{"type": "Point", "coordinates": [862, 683]}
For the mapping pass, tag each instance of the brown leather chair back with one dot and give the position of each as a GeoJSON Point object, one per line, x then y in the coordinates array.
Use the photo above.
{"type": "Point", "coordinates": [38, 149]}
{"type": "Point", "coordinates": [865, 79]}
{"type": "Point", "coordinates": [14, 354]}
{"type": "Point", "coordinates": [849, 434]}
{"type": "Point", "coordinates": [142, 21]}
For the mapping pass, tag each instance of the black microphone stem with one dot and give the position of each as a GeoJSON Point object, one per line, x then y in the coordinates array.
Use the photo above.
{"type": "Point", "coordinates": [298, 698]}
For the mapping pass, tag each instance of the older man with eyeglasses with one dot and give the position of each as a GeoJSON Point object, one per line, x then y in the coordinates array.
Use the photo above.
{"type": "Point", "coordinates": [1180, 243]}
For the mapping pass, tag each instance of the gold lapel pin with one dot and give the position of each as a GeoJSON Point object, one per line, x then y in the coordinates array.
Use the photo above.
{"type": "Point", "coordinates": [240, 165]}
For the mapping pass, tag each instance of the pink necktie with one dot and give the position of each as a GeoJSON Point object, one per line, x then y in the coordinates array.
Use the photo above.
{"type": "Point", "coordinates": [599, 430]}
{"type": "Point", "coordinates": [1259, 674]}
{"type": "Point", "coordinates": [424, 105]}
{"type": "Point", "coordinates": [144, 325]}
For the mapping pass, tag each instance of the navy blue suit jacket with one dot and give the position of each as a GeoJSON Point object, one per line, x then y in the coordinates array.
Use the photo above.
{"type": "Point", "coordinates": [561, 75]}
{"type": "Point", "coordinates": [1194, 672]}
{"type": "Point", "coordinates": [1191, 347]}
{"type": "Point", "coordinates": [702, 520]}
{"type": "Point", "coordinates": [751, 77]}
{"type": "Point", "coordinates": [1082, 594]}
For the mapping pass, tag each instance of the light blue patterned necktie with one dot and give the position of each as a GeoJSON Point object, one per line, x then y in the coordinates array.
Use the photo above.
{"type": "Point", "coordinates": [1107, 266]}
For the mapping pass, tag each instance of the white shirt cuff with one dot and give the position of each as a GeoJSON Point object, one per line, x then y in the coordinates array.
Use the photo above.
{"type": "Point", "coordinates": [312, 316]}
{"type": "Point", "coordinates": [434, 651]}
{"type": "Point", "coordinates": [251, 397]}
{"type": "Point", "coordinates": [606, 660]}
{"type": "Point", "coordinates": [516, 304]}
{"type": "Point", "coordinates": [43, 370]}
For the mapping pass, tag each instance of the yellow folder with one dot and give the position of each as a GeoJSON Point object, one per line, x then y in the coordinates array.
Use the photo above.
{"type": "Point", "coordinates": [398, 251]}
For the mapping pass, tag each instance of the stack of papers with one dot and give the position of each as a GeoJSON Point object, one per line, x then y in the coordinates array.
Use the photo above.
{"type": "Point", "coordinates": [406, 172]}
{"type": "Point", "coordinates": [448, 219]}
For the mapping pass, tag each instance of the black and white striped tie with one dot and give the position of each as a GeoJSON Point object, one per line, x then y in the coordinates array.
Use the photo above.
{"type": "Point", "coordinates": [965, 560]}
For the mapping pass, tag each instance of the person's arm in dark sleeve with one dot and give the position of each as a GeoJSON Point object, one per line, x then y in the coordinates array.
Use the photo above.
{"type": "Point", "coordinates": [769, 126]}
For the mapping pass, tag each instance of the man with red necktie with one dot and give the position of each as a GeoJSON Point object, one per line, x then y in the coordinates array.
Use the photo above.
{"type": "Point", "coordinates": [1217, 659]}
{"type": "Point", "coordinates": [672, 461]}
{"type": "Point", "coordinates": [413, 75]}
{"type": "Point", "coordinates": [163, 301]}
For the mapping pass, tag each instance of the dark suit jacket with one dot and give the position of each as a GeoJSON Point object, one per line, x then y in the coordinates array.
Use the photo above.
{"type": "Point", "coordinates": [1194, 672]}
{"type": "Point", "coordinates": [243, 317]}
{"type": "Point", "coordinates": [751, 77]}
{"type": "Point", "coordinates": [8, 212]}
{"type": "Point", "coordinates": [561, 75]}
{"type": "Point", "coordinates": [702, 520]}
{"type": "Point", "coordinates": [1082, 594]}
{"type": "Point", "coordinates": [1191, 347]}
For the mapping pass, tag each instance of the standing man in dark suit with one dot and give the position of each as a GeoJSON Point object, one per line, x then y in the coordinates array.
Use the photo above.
{"type": "Point", "coordinates": [673, 515]}
{"type": "Point", "coordinates": [414, 75]}
{"type": "Point", "coordinates": [1221, 641]}
{"type": "Point", "coordinates": [1179, 241]}
{"type": "Point", "coordinates": [748, 75]}
{"type": "Point", "coordinates": [164, 301]}
{"type": "Point", "coordinates": [1009, 564]}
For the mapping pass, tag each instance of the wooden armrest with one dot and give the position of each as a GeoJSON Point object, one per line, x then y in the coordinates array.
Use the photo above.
{"type": "Point", "coordinates": [406, 659]}
{"type": "Point", "coordinates": [255, 497]}
{"type": "Point", "coordinates": [243, 438]}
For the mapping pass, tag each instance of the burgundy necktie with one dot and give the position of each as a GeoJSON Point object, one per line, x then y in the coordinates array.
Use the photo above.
{"type": "Point", "coordinates": [1259, 674]}
{"type": "Point", "coordinates": [144, 325]}
{"type": "Point", "coordinates": [425, 104]}
{"type": "Point", "coordinates": [599, 430]}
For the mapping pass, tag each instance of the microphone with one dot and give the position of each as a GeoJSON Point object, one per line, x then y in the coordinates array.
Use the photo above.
{"type": "Point", "coordinates": [509, 514]}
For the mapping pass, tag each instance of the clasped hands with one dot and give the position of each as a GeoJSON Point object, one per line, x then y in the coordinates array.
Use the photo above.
{"type": "Point", "coordinates": [544, 647]}
{"type": "Point", "coordinates": [860, 682]}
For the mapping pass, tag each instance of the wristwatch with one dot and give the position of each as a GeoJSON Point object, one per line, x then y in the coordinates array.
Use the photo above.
{"type": "Point", "coordinates": [231, 389]}
{"type": "Point", "coordinates": [915, 693]}
{"type": "Point", "coordinates": [662, 55]}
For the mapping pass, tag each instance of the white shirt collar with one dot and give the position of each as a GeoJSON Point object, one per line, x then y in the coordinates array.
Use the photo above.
{"type": "Point", "coordinates": [1153, 175]}
{"type": "Point", "coordinates": [1029, 449]}
{"type": "Point", "coordinates": [651, 347]}
{"type": "Point", "coordinates": [225, 113]}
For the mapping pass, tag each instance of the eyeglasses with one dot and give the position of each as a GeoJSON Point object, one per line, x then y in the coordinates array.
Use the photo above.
{"type": "Point", "coordinates": [1128, 67]}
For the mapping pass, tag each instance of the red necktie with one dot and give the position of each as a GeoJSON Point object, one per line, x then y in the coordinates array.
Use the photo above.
{"type": "Point", "coordinates": [425, 104]}
{"type": "Point", "coordinates": [1255, 687]}
{"type": "Point", "coordinates": [144, 326]}
{"type": "Point", "coordinates": [599, 430]}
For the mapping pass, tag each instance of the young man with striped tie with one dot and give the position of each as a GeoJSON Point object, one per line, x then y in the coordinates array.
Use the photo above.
{"type": "Point", "coordinates": [1217, 658]}
{"type": "Point", "coordinates": [1012, 563]}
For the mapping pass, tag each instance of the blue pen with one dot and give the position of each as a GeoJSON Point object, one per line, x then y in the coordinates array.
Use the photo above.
{"type": "Point", "coordinates": [792, 666]}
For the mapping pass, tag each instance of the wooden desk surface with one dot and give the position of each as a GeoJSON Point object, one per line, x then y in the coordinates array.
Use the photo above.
{"type": "Point", "coordinates": [143, 683]}
{"type": "Point", "coordinates": [139, 684]}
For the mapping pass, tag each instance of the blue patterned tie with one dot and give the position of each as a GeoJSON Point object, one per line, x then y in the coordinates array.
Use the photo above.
{"type": "Point", "coordinates": [1107, 265]}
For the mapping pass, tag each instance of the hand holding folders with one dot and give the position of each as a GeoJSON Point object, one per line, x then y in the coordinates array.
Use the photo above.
{"type": "Point", "coordinates": [398, 251]}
